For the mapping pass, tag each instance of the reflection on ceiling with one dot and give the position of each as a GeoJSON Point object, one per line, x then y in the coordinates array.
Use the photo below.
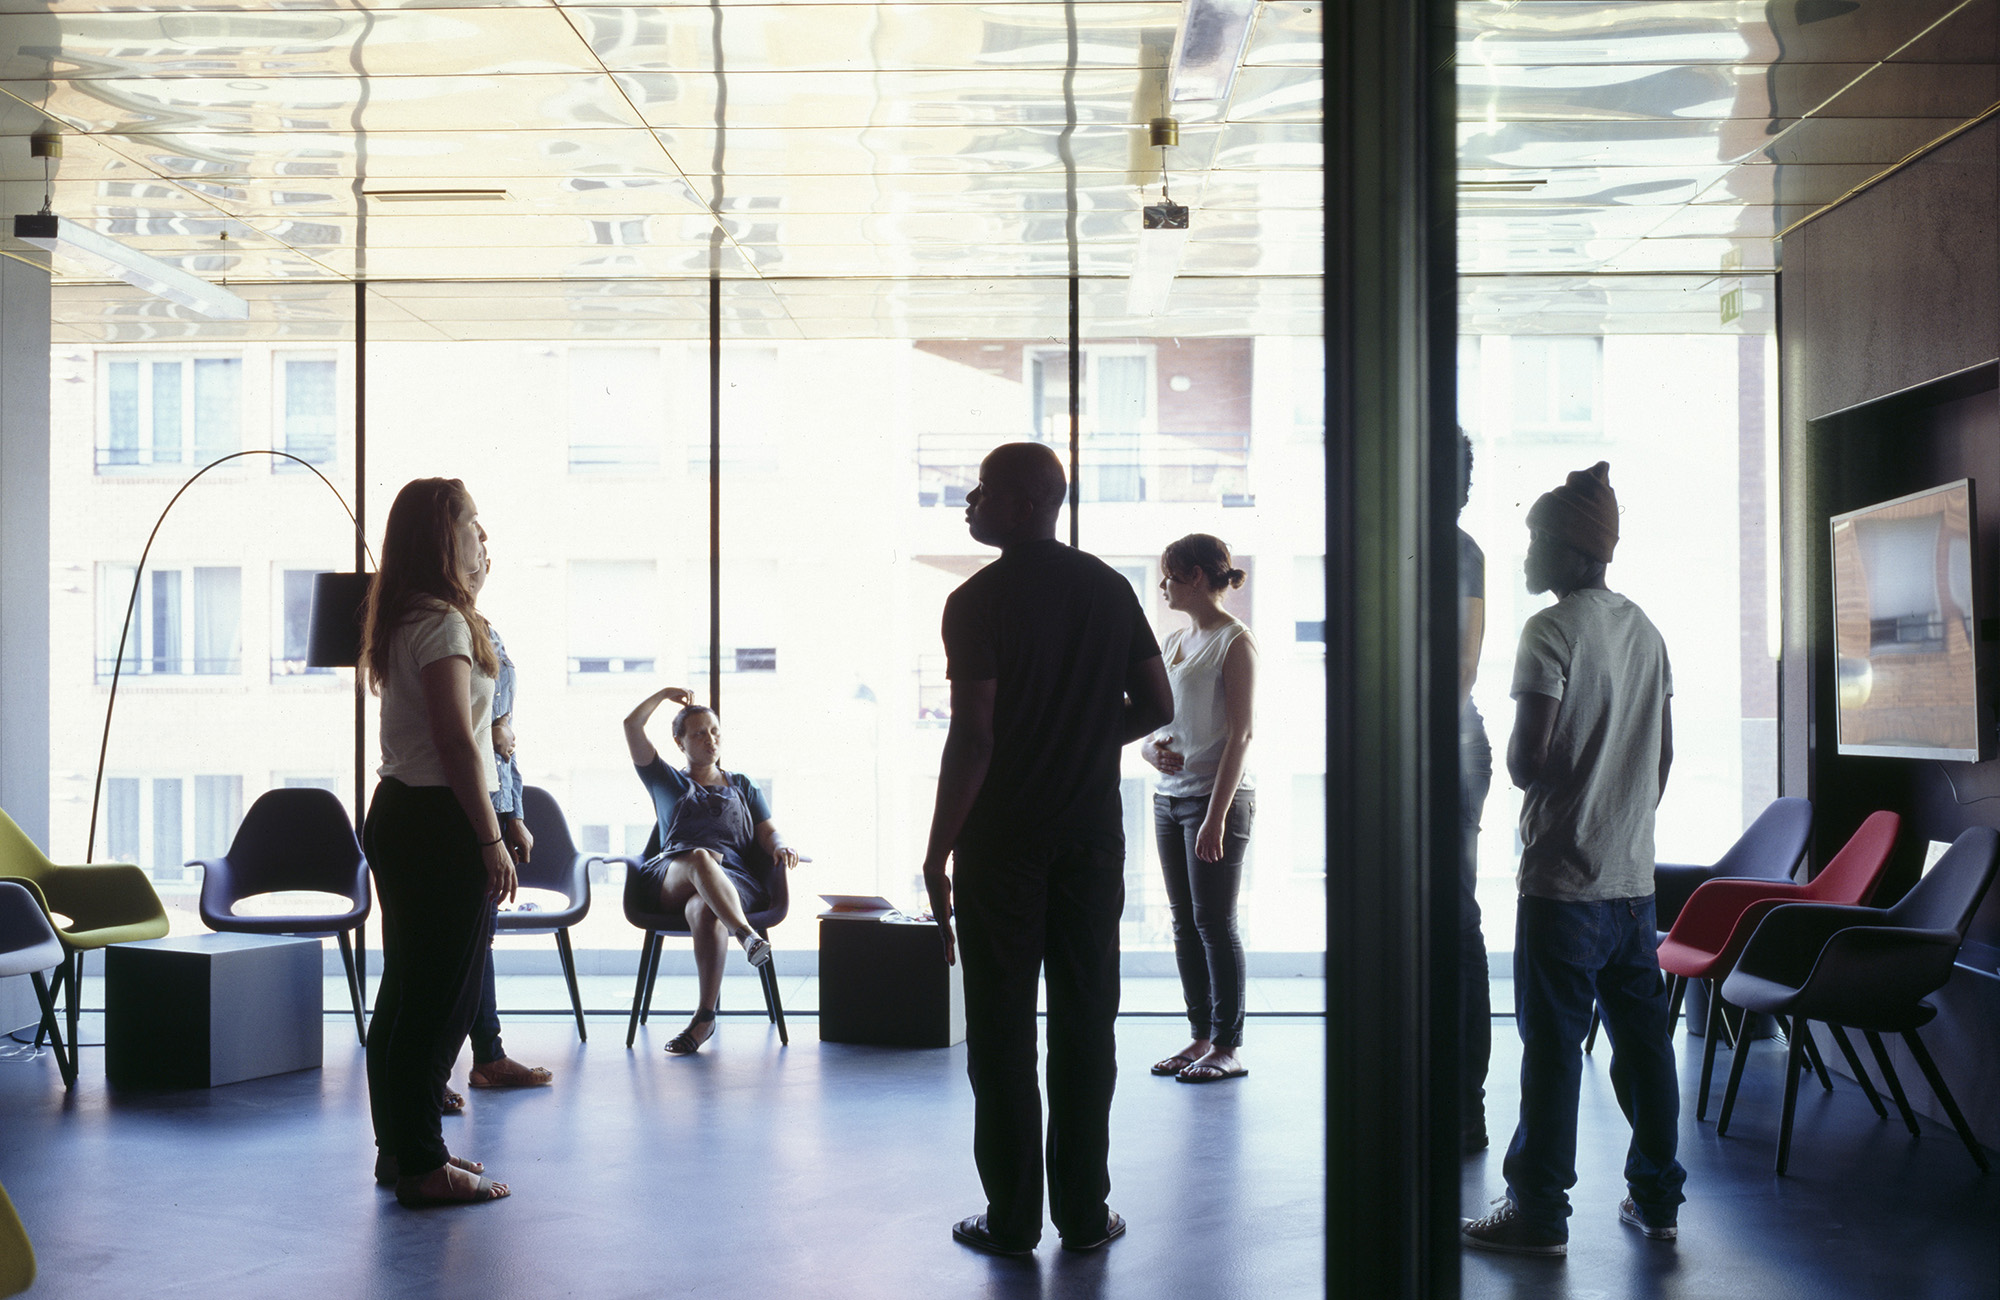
{"type": "Point", "coordinates": [1626, 167]}
{"type": "Point", "coordinates": [846, 168]}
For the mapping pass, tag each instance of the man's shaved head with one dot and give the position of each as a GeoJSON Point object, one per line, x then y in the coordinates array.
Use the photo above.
{"type": "Point", "coordinates": [1029, 470]}
{"type": "Point", "coordinates": [1021, 491]}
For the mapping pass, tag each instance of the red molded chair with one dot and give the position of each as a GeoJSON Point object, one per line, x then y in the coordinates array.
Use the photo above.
{"type": "Point", "coordinates": [1719, 918]}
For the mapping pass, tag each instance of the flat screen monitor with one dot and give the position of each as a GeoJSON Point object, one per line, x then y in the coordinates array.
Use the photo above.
{"type": "Point", "coordinates": [1905, 628]}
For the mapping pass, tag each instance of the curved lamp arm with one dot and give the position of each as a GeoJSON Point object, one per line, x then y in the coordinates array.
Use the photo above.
{"type": "Point", "coordinates": [132, 603]}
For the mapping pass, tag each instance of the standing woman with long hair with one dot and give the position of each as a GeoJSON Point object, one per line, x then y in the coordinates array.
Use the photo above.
{"type": "Point", "coordinates": [1204, 802]}
{"type": "Point", "coordinates": [432, 837]}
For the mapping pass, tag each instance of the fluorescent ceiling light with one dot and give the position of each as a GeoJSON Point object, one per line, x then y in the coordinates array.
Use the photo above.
{"type": "Point", "coordinates": [1159, 256]}
{"type": "Point", "coordinates": [61, 235]}
{"type": "Point", "coordinates": [1208, 48]}
{"type": "Point", "coordinates": [436, 196]}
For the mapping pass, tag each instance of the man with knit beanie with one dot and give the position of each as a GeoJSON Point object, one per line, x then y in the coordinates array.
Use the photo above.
{"type": "Point", "coordinates": [1592, 742]}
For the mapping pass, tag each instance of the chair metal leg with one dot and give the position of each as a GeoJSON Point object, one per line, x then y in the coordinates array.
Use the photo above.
{"type": "Point", "coordinates": [569, 973]}
{"type": "Point", "coordinates": [1804, 1031]}
{"type": "Point", "coordinates": [1590, 1039]}
{"type": "Point", "coordinates": [1714, 1036]}
{"type": "Point", "coordinates": [73, 997]}
{"type": "Point", "coordinates": [652, 975]}
{"type": "Point", "coordinates": [65, 1062]}
{"type": "Point", "coordinates": [1936, 1080]}
{"type": "Point", "coordinates": [639, 987]}
{"type": "Point", "coordinates": [1736, 1063]}
{"type": "Point", "coordinates": [772, 1002]}
{"type": "Point", "coordinates": [1846, 1046]}
{"type": "Point", "coordinates": [1795, 1059]}
{"type": "Point", "coordinates": [55, 986]}
{"type": "Point", "coordinates": [1679, 988]}
{"type": "Point", "coordinates": [353, 989]}
{"type": "Point", "coordinates": [1889, 1077]}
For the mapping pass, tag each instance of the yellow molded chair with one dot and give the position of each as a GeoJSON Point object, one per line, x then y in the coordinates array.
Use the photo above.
{"type": "Point", "coordinates": [88, 907]}
{"type": "Point", "coordinates": [17, 1257]}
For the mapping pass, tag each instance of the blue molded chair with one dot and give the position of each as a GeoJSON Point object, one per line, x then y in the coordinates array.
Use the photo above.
{"type": "Point", "coordinates": [1867, 968]}
{"type": "Point", "coordinates": [295, 839]}
{"type": "Point", "coordinates": [559, 866]}
{"type": "Point", "coordinates": [29, 946]}
{"type": "Point", "coordinates": [659, 924]}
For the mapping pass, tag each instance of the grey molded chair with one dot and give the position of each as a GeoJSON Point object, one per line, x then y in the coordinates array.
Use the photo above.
{"type": "Point", "coordinates": [295, 839]}
{"type": "Point", "coordinates": [1770, 848]}
{"type": "Point", "coordinates": [659, 924]}
{"type": "Point", "coordinates": [1866, 968]}
{"type": "Point", "coordinates": [559, 866]}
{"type": "Point", "coordinates": [29, 946]}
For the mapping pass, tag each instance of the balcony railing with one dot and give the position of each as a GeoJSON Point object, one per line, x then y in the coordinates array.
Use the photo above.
{"type": "Point", "coordinates": [1204, 468]}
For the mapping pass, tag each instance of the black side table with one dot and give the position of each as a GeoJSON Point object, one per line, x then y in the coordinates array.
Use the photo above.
{"type": "Point", "coordinates": [202, 1010]}
{"type": "Point", "coordinates": [885, 983]}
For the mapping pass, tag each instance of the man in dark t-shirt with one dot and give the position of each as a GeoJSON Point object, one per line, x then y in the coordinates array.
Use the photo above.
{"type": "Point", "coordinates": [1053, 670]}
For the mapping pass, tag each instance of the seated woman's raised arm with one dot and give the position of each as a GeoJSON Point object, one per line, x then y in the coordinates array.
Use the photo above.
{"type": "Point", "coordinates": [635, 722]}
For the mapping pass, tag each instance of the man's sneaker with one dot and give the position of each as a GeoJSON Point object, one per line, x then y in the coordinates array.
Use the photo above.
{"type": "Point", "coordinates": [1653, 1226]}
{"type": "Point", "coordinates": [1504, 1230]}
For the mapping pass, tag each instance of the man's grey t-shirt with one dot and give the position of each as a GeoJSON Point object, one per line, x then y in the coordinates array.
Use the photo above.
{"type": "Point", "coordinates": [1587, 822]}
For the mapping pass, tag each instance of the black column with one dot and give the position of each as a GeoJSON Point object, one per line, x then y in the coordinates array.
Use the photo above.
{"type": "Point", "coordinates": [1392, 1162]}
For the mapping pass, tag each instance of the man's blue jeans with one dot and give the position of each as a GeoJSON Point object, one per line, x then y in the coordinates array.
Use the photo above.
{"type": "Point", "coordinates": [1567, 956]}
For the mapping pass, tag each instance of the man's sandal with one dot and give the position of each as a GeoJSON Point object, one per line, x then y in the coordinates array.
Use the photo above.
{"type": "Point", "coordinates": [386, 1171]}
{"type": "Point", "coordinates": [1200, 1073]}
{"type": "Point", "coordinates": [685, 1043]}
{"type": "Point", "coordinates": [1174, 1064]}
{"type": "Point", "coordinates": [508, 1073]}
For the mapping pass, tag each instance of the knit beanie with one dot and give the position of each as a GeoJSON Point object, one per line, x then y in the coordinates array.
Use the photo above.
{"type": "Point", "coordinates": [1582, 513]}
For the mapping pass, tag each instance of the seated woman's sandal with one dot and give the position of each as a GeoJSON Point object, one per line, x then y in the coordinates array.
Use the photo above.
{"type": "Point", "coordinates": [756, 948]}
{"type": "Point", "coordinates": [685, 1043]}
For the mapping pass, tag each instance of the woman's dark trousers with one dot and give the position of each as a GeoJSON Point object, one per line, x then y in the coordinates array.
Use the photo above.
{"type": "Point", "coordinates": [436, 928]}
{"type": "Point", "coordinates": [1475, 1004]}
{"type": "Point", "coordinates": [1201, 897]}
{"type": "Point", "coordinates": [1022, 912]}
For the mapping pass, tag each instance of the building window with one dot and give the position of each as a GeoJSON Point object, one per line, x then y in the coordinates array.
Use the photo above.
{"type": "Point", "coordinates": [614, 617]}
{"type": "Point", "coordinates": [218, 810]}
{"type": "Point", "coordinates": [186, 621]}
{"type": "Point", "coordinates": [1116, 416]}
{"type": "Point", "coordinates": [294, 632]}
{"type": "Point", "coordinates": [1309, 601]}
{"type": "Point", "coordinates": [306, 410]}
{"type": "Point", "coordinates": [617, 409]}
{"type": "Point", "coordinates": [1557, 381]}
{"type": "Point", "coordinates": [147, 821]}
{"type": "Point", "coordinates": [162, 410]}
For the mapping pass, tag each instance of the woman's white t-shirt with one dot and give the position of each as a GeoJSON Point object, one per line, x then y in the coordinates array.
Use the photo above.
{"type": "Point", "coordinates": [1200, 728]}
{"type": "Point", "coordinates": [433, 631]}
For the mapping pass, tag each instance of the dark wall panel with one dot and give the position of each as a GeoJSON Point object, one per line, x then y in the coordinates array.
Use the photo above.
{"type": "Point", "coordinates": [1889, 331]}
{"type": "Point", "coordinates": [1900, 284]}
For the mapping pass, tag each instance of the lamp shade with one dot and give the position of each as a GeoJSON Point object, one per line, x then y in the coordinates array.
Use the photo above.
{"type": "Point", "coordinates": [335, 638]}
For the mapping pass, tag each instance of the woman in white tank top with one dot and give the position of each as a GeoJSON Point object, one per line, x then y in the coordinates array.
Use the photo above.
{"type": "Point", "coordinates": [1205, 802]}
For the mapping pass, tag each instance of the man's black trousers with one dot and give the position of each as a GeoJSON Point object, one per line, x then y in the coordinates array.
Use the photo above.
{"type": "Point", "coordinates": [1020, 911]}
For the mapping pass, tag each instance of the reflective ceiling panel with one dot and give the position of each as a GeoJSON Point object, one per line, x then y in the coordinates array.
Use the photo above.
{"type": "Point", "coordinates": [1607, 149]}
{"type": "Point", "coordinates": [531, 158]}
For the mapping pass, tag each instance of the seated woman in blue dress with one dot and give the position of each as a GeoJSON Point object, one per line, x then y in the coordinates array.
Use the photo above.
{"type": "Point", "coordinates": [713, 826]}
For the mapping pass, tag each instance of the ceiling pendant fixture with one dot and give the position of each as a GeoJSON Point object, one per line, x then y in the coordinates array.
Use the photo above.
{"type": "Point", "coordinates": [1163, 236]}
{"type": "Point", "coordinates": [46, 230]}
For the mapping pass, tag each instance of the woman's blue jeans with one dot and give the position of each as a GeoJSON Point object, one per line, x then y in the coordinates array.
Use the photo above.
{"type": "Point", "coordinates": [1568, 956]}
{"type": "Point", "coordinates": [1201, 897]}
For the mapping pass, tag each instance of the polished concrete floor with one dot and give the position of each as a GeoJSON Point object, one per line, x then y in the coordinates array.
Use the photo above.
{"type": "Point", "coordinates": [828, 1171]}
{"type": "Point", "coordinates": [814, 1170]}
{"type": "Point", "coordinates": [1866, 1212]}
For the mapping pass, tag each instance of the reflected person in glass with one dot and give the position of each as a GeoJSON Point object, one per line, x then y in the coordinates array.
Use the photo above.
{"type": "Point", "coordinates": [713, 826]}
{"type": "Point", "coordinates": [1205, 801]}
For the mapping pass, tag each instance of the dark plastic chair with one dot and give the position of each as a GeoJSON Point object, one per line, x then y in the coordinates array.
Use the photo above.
{"type": "Point", "coordinates": [295, 839]}
{"type": "Point", "coordinates": [29, 946]}
{"type": "Point", "coordinates": [1770, 848]}
{"type": "Point", "coordinates": [1720, 917]}
{"type": "Point", "coordinates": [558, 866]}
{"type": "Point", "coordinates": [657, 925]}
{"type": "Point", "coordinates": [1869, 969]}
